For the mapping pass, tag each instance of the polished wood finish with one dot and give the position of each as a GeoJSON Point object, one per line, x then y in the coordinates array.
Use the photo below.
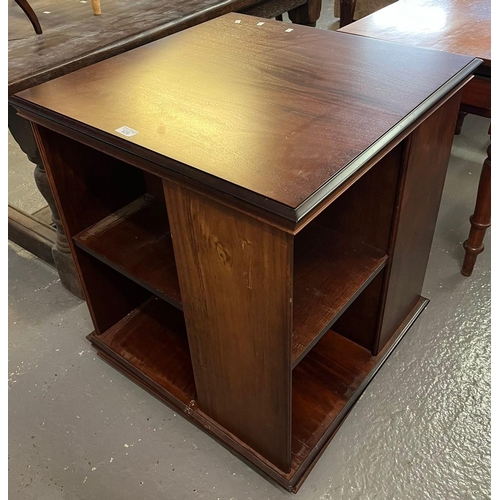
{"type": "Point", "coordinates": [74, 38]}
{"type": "Point", "coordinates": [316, 404]}
{"type": "Point", "coordinates": [480, 219]}
{"type": "Point", "coordinates": [274, 169]}
{"type": "Point", "coordinates": [236, 282]}
{"type": "Point", "coordinates": [368, 222]}
{"type": "Point", "coordinates": [347, 8]}
{"type": "Point", "coordinates": [361, 320]}
{"type": "Point", "coordinates": [330, 271]}
{"type": "Point", "coordinates": [306, 14]}
{"type": "Point", "coordinates": [110, 295]}
{"type": "Point", "coordinates": [88, 180]}
{"type": "Point", "coordinates": [477, 94]}
{"type": "Point", "coordinates": [136, 241]}
{"type": "Point", "coordinates": [261, 282]}
{"type": "Point", "coordinates": [476, 99]}
{"type": "Point", "coordinates": [26, 228]}
{"type": "Point", "coordinates": [63, 260]}
{"type": "Point", "coordinates": [418, 207]}
{"type": "Point", "coordinates": [456, 26]}
{"type": "Point", "coordinates": [86, 196]}
{"type": "Point", "coordinates": [327, 417]}
{"type": "Point", "coordinates": [143, 340]}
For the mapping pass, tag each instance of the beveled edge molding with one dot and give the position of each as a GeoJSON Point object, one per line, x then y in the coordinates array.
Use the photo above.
{"type": "Point", "coordinates": [456, 82]}
{"type": "Point", "coordinates": [137, 154]}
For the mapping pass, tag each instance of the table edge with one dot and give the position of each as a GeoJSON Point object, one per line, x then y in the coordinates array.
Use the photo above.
{"type": "Point", "coordinates": [212, 182]}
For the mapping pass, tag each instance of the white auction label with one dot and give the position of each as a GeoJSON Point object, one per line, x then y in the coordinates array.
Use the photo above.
{"type": "Point", "coordinates": [126, 131]}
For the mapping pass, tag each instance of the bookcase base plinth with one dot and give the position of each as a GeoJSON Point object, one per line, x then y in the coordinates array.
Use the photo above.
{"type": "Point", "coordinates": [302, 463]}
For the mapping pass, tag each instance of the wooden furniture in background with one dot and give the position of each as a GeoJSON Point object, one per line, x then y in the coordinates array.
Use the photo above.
{"type": "Point", "coordinates": [347, 10]}
{"type": "Point", "coordinates": [27, 9]}
{"type": "Point", "coordinates": [74, 39]}
{"type": "Point", "coordinates": [267, 245]}
{"type": "Point", "coordinates": [461, 27]}
{"type": "Point", "coordinates": [96, 7]}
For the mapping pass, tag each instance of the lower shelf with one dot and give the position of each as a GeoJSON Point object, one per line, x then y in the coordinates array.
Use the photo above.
{"type": "Point", "coordinates": [322, 385]}
{"type": "Point", "coordinates": [326, 384]}
{"type": "Point", "coordinates": [152, 341]}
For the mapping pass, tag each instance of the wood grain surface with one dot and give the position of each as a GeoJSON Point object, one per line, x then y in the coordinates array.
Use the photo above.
{"type": "Point", "coordinates": [322, 385]}
{"type": "Point", "coordinates": [152, 338]}
{"type": "Point", "coordinates": [274, 114]}
{"type": "Point", "coordinates": [477, 95]}
{"type": "Point", "coordinates": [235, 274]}
{"type": "Point", "coordinates": [74, 38]}
{"type": "Point", "coordinates": [330, 271]}
{"type": "Point", "coordinates": [458, 26]}
{"type": "Point", "coordinates": [136, 241]}
{"type": "Point", "coordinates": [418, 205]}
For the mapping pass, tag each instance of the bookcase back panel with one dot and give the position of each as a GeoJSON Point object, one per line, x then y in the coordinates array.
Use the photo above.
{"type": "Point", "coordinates": [365, 211]}
{"type": "Point", "coordinates": [90, 184]}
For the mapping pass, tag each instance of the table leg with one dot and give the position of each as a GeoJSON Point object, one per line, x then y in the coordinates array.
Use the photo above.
{"type": "Point", "coordinates": [306, 14]}
{"type": "Point", "coordinates": [460, 122]}
{"type": "Point", "coordinates": [347, 8]}
{"type": "Point", "coordinates": [23, 135]}
{"type": "Point", "coordinates": [96, 7]}
{"type": "Point", "coordinates": [480, 219]}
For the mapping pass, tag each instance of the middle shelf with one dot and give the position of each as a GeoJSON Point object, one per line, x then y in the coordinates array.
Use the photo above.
{"type": "Point", "coordinates": [136, 242]}
{"type": "Point", "coordinates": [330, 268]}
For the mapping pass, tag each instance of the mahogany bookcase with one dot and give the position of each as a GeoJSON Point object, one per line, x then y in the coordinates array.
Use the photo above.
{"type": "Point", "coordinates": [251, 210]}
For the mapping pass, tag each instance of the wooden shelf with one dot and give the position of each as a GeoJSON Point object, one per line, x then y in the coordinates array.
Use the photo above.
{"type": "Point", "coordinates": [323, 383]}
{"type": "Point", "coordinates": [136, 241]}
{"type": "Point", "coordinates": [151, 342]}
{"type": "Point", "coordinates": [330, 271]}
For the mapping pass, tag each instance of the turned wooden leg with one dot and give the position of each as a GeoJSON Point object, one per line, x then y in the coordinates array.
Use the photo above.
{"type": "Point", "coordinates": [96, 7]}
{"type": "Point", "coordinates": [60, 251]}
{"type": "Point", "coordinates": [22, 133]}
{"type": "Point", "coordinates": [306, 14]}
{"type": "Point", "coordinates": [347, 8]}
{"type": "Point", "coordinates": [31, 15]}
{"type": "Point", "coordinates": [480, 219]}
{"type": "Point", "coordinates": [460, 122]}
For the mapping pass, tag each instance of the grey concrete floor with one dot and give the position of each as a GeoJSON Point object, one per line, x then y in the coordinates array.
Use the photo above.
{"type": "Point", "coordinates": [78, 429]}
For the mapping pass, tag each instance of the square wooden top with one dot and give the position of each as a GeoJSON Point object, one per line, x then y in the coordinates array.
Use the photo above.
{"type": "Point", "coordinates": [458, 26]}
{"type": "Point", "coordinates": [272, 113]}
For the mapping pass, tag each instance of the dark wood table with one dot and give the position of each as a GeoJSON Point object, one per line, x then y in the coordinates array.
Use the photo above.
{"type": "Point", "coordinates": [461, 27]}
{"type": "Point", "coordinates": [74, 38]}
{"type": "Point", "coordinates": [253, 228]}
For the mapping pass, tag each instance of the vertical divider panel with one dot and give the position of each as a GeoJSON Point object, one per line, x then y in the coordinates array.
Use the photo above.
{"type": "Point", "coordinates": [424, 172]}
{"type": "Point", "coordinates": [236, 275]}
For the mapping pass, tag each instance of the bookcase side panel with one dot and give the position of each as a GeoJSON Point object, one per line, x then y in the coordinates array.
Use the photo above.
{"type": "Point", "coordinates": [83, 182]}
{"type": "Point", "coordinates": [424, 172]}
{"type": "Point", "coordinates": [235, 275]}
